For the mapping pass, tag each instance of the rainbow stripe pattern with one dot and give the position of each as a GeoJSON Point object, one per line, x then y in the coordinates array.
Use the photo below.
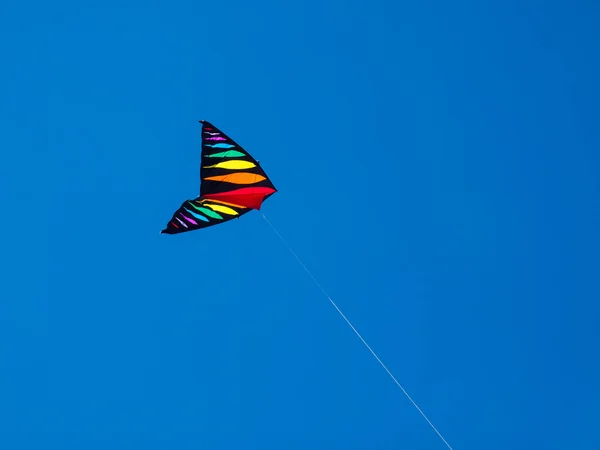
{"type": "Point", "coordinates": [232, 183]}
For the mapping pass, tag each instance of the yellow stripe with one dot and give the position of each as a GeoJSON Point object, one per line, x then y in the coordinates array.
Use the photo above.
{"type": "Point", "coordinates": [234, 164]}
{"type": "Point", "coordinates": [223, 209]}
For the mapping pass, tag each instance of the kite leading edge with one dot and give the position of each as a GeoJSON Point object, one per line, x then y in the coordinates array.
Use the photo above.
{"type": "Point", "coordinates": [232, 183]}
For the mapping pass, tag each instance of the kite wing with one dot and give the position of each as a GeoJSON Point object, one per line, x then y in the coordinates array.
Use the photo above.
{"type": "Point", "coordinates": [230, 173]}
{"type": "Point", "coordinates": [232, 184]}
{"type": "Point", "coordinates": [202, 213]}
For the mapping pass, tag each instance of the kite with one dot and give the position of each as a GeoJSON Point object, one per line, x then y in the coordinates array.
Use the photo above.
{"type": "Point", "coordinates": [232, 183]}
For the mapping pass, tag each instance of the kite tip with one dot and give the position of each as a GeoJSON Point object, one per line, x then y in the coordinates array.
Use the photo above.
{"type": "Point", "coordinates": [202, 121]}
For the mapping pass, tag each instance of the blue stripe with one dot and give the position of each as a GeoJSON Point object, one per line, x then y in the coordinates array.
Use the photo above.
{"type": "Point", "coordinates": [220, 145]}
{"type": "Point", "coordinates": [197, 216]}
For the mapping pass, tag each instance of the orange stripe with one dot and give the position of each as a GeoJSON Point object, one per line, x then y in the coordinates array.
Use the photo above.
{"type": "Point", "coordinates": [222, 202]}
{"type": "Point", "coordinates": [238, 178]}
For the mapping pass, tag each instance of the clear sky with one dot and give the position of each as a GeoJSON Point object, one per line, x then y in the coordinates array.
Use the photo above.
{"type": "Point", "coordinates": [438, 171]}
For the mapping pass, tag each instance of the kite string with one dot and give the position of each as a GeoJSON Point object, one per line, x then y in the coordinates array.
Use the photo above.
{"type": "Point", "coordinates": [354, 329]}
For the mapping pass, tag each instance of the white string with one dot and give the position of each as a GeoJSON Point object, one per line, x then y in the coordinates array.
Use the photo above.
{"type": "Point", "coordinates": [355, 331]}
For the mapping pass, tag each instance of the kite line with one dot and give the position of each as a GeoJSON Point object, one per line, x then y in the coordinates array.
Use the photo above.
{"type": "Point", "coordinates": [354, 329]}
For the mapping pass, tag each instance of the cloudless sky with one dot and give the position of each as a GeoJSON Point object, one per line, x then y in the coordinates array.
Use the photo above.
{"type": "Point", "coordinates": [438, 171]}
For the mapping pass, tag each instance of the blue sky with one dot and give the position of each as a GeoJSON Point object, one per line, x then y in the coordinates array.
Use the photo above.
{"type": "Point", "coordinates": [438, 172]}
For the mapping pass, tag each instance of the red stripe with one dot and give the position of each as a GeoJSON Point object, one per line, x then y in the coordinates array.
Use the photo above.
{"type": "Point", "coordinates": [249, 197]}
{"type": "Point", "coordinates": [250, 190]}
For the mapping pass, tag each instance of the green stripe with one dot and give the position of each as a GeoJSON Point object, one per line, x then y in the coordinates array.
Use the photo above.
{"type": "Point", "coordinates": [208, 212]}
{"type": "Point", "coordinates": [227, 154]}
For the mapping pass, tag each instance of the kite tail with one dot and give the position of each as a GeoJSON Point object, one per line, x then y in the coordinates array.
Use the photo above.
{"type": "Point", "coordinates": [355, 330]}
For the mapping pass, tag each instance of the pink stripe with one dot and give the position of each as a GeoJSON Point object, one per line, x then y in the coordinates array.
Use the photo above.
{"type": "Point", "coordinates": [216, 139]}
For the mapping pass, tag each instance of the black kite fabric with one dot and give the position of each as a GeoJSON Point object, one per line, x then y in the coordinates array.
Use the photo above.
{"type": "Point", "coordinates": [232, 183]}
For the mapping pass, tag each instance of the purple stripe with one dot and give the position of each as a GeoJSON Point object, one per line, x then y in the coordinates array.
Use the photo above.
{"type": "Point", "coordinates": [219, 138]}
{"type": "Point", "coordinates": [189, 220]}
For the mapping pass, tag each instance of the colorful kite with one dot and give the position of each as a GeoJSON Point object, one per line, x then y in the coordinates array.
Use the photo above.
{"type": "Point", "coordinates": [232, 184]}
